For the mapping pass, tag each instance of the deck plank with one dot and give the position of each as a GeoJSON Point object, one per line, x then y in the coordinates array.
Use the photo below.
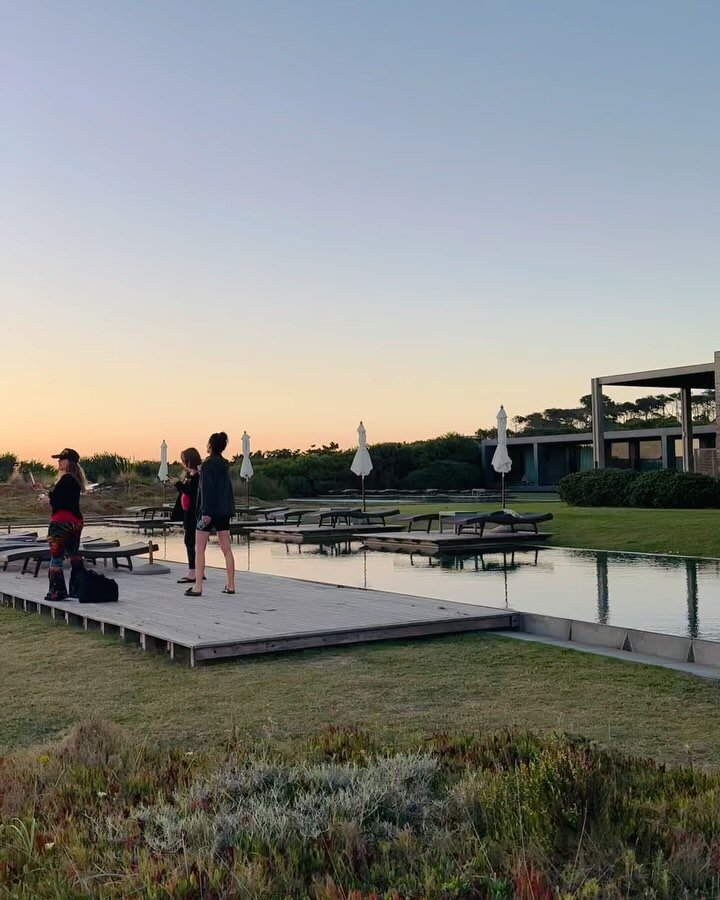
{"type": "Point", "coordinates": [268, 613]}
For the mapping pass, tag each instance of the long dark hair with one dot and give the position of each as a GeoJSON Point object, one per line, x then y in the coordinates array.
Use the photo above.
{"type": "Point", "coordinates": [217, 442]}
{"type": "Point", "coordinates": [75, 469]}
{"type": "Point", "coordinates": [190, 458]}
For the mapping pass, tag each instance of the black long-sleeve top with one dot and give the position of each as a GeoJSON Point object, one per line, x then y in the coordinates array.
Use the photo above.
{"type": "Point", "coordinates": [189, 487]}
{"type": "Point", "coordinates": [65, 497]}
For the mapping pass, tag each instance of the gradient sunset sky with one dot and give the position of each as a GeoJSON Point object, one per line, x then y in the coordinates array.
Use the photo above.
{"type": "Point", "coordinates": [288, 216]}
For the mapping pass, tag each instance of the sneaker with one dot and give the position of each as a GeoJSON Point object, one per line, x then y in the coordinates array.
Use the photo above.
{"type": "Point", "coordinates": [54, 597]}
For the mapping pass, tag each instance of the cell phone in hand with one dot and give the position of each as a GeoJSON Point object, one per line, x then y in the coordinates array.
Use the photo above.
{"type": "Point", "coordinates": [200, 524]}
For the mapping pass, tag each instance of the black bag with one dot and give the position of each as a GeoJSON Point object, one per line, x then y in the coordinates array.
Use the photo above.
{"type": "Point", "coordinates": [96, 588]}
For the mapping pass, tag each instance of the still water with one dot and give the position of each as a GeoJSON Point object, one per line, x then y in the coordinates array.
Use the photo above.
{"type": "Point", "coordinates": [673, 595]}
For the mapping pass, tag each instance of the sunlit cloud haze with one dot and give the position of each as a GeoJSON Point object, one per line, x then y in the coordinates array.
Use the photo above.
{"type": "Point", "coordinates": [285, 217]}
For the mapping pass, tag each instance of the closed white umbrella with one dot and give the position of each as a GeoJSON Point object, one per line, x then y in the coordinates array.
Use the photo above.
{"type": "Point", "coordinates": [246, 469]}
{"type": "Point", "coordinates": [501, 461]}
{"type": "Point", "coordinates": [163, 471]}
{"type": "Point", "coordinates": [362, 464]}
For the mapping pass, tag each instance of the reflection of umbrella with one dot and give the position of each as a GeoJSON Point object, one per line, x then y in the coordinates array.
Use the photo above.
{"type": "Point", "coordinates": [501, 461]}
{"type": "Point", "coordinates": [163, 471]}
{"type": "Point", "coordinates": [362, 464]}
{"type": "Point", "coordinates": [246, 469]}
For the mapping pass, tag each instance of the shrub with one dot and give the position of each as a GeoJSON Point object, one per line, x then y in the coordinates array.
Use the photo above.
{"type": "Point", "coordinates": [675, 490]}
{"type": "Point", "coordinates": [8, 461]}
{"type": "Point", "coordinates": [598, 487]}
{"type": "Point", "coordinates": [622, 487]}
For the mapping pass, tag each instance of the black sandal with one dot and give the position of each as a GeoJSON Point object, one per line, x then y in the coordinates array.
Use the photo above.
{"type": "Point", "coordinates": [227, 590]}
{"type": "Point", "coordinates": [191, 593]}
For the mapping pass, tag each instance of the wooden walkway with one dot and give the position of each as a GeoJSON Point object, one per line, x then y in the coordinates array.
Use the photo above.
{"type": "Point", "coordinates": [268, 614]}
{"type": "Point", "coordinates": [435, 542]}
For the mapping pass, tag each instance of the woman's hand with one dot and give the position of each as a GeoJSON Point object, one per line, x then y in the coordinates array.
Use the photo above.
{"type": "Point", "coordinates": [36, 486]}
{"type": "Point", "coordinates": [205, 520]}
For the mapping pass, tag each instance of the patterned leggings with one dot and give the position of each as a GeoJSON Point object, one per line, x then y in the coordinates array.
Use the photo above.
{"type": "Point", "coordinates": [64, 541]}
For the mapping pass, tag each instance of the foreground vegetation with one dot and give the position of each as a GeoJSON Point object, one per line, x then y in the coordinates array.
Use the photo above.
{"type": "Point", "coordinates": [348, 816]}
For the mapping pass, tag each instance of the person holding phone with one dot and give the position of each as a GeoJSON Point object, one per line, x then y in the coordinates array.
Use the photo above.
{"type": "Point", "coordinates": [215, 508]}
{"type": "Point", "coordinates": [187, 490]}
{"type": "Point", "coordinates": [66, 524]}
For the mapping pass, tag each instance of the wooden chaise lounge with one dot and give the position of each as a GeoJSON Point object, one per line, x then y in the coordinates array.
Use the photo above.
{"type": "Point", "coordinates": [116, 554]}
{"type": "Point", "coordinates": [376, 516]}
{"type": "Point", "coordinates": [338, 515]}
{"type": "Point", "coordinates": [516, 521]}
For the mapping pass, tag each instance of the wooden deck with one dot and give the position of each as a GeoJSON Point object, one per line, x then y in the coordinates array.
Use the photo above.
{"type": "Point", "coordinates": [268, 614]}
{"type": "Point", "coordinates": [435, 542]}
{"type": "Point", "coordinates": [316, 534]}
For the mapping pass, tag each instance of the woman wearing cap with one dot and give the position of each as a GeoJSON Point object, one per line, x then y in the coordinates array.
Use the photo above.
{"type": "Point", "coordinates": [66, 524]}
{"type": "Point", "coordinates": [215, 508]}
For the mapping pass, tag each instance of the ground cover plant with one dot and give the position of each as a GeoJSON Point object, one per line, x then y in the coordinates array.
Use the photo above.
{"type": "Point", "coordinates": [503, 815]}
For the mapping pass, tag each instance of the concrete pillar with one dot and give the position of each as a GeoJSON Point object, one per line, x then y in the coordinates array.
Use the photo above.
{"type": "Point", "coordinates": [598, 424]}
{"type": "Point", "coordinates": [536, 460]}
{"type": "Point", "coordinates": [687, 431]}
{"type": "Point", "coordinates": [664, 451]}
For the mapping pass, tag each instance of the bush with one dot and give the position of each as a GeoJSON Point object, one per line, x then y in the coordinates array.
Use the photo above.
{"type": "Point", "coordinates": [675, 490]}
{"type": "Point", "coordinates": [8, 461]}
{"type": "Point", "coordinates": [598, 487]}
{"type": "Point", "coordinates": [658, 490]}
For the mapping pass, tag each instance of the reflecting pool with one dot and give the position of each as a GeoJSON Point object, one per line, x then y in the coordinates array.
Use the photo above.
{"type": "Point", "coordinates": [675, 595]}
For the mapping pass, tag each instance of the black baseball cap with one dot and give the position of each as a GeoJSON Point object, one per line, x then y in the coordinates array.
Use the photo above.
{"type": "Point", "coordinates": [67, 453]}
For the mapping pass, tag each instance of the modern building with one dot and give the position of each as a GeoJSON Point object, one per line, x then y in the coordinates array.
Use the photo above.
{"type": "Point", "coordinates": [543, 459]}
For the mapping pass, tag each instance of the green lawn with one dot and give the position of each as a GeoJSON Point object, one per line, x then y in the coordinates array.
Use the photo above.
{"type": "Point", "coordinates": [54, 676]}
{"type": "Point", "coordinates": [687, 532]}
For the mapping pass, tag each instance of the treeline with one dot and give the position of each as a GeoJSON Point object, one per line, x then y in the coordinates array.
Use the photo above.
{"type": "Point", "coordinates": [100, 467]}
{"type": "Point", "coordinates": [450, 462]}
{"type": "Point", "coordinates": [656, 411]}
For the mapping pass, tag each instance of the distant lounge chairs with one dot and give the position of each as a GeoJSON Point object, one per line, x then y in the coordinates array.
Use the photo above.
{"type": "Point", "coordinates": [337, 515]}
{"type": "Point", "coordinates": [515, 521]}
{"type": "Point", "coordinates": [376, 516]}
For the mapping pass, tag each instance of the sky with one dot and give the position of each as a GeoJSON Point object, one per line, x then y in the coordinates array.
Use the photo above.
{"type": "Point", "coordinates": [288, 216]}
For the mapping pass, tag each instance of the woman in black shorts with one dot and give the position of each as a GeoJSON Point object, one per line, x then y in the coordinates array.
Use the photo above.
{"type": "Point", "coordinates": [215, 508]}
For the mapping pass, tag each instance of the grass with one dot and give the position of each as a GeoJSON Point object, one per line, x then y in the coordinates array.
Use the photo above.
{"type": "Point", "coordinates": [686, 532]}
{"type": "Point", "coordinates": [54, 676]}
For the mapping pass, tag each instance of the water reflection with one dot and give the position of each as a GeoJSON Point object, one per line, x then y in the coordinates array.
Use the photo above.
{"type": "Point", "coordinates": [603, 590]}
{"type": "Point", "coordinates": [691, 580]}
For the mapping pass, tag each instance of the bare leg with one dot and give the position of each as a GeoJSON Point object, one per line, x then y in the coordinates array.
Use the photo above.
{"type": "Point", "coordinates": [201, 541]}
{"type": "Point", "coordinates": [224, 541]}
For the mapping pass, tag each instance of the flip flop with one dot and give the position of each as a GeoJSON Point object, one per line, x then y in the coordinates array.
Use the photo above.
{"type": "Point", "coordinates": [191, 593]}
{"type": "Point", "coordinates": [186, 581]}
{"type": "Point", "coordinates": [227, 591]}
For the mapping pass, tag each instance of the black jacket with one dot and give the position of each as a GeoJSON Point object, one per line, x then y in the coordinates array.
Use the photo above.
{"type": "Point", "coordinates": [215, 494]}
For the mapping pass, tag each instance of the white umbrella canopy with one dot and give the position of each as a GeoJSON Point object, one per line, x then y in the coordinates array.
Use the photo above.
{"type": "Point", "coordinates": [501, 461]}
{"type": "Point", "coordinates": [163, 471]}
{"type": "Point", "coordinates": [246, 469]}
{"type": "Point", "coordinates": [362, 464]}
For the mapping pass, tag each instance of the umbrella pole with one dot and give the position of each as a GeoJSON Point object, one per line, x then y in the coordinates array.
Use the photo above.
{"type": "Point", "coordinates": [363, 492]}
{"type": "Point", "coordinates": [247, 493]}
{"type": "Point", "coordinates": [502, 492]}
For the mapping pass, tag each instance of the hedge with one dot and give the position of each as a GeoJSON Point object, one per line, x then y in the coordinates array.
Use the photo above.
{"type": "Point", "coordinates": [657, 490]}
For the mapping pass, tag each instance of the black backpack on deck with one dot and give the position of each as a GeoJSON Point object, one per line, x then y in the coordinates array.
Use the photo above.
{"type": "Point", "coordinates": [96, 588]}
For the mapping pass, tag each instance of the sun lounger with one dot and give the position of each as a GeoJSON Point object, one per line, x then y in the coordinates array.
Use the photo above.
{"type": "Point", "coordinates": [420, 517]}
{"type": "Point", "coordinates": [37, 554]}
{"type": "Point", "coordinates": [116, 554]}
{"type": "Point", "coordinates": [515, 521]}
{"type": "Point", "coordinates": [376, 516]}
{"type": "Point", "coordinates": [270, 512]}
{"type": "Point", "coordinates": [294, 516]}
{"type": "Point", "coordinates": [337, 515]}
